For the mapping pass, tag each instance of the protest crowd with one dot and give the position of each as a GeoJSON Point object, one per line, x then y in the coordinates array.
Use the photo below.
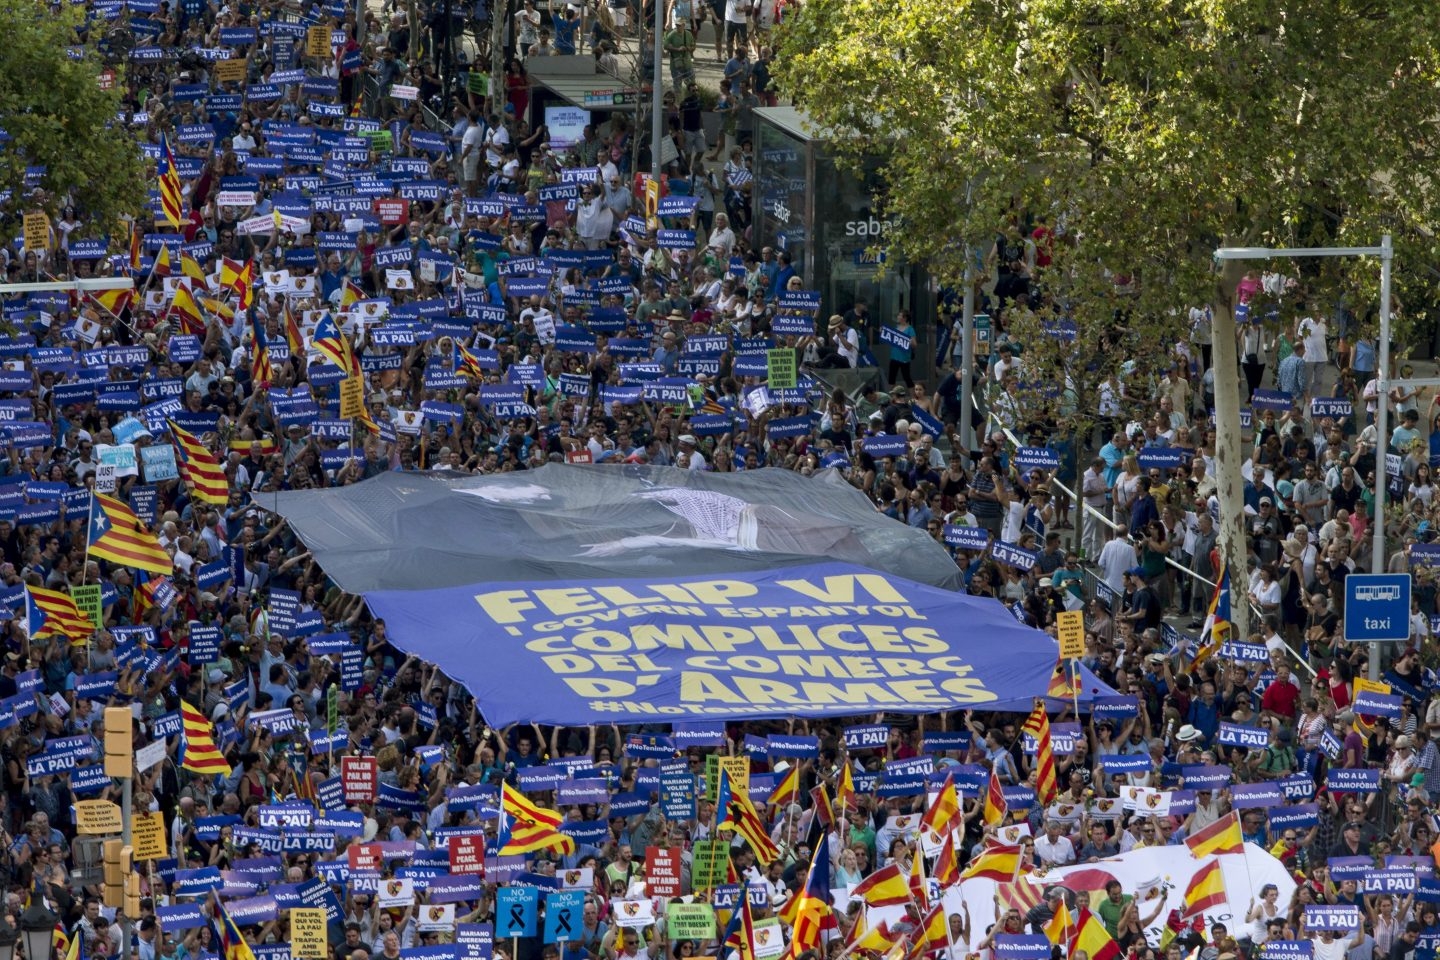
{"type": "Point", "coordinates": [329, 288]}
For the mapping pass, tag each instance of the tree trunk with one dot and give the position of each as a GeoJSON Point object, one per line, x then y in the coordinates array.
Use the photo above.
{"type": "Point", "coordinates": [499, 17]}
{"type": "Point", "coordinates": [1230, 448]}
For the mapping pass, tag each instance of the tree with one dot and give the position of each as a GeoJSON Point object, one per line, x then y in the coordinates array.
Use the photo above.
{"type": "Point", "coordinates": [1151, 130]}
{"type": "Point", "coordinates": [57, 119]}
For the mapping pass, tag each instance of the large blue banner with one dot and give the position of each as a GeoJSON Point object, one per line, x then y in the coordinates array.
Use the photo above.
{"type": "Point", "coordinates": [825, 640]}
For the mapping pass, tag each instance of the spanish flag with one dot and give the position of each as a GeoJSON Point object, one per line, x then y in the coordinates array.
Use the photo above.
{"type": "Point", "coordinates": [947, 866]}
{"type": "Point", "coordinates": [844, 791]}
{"type": "Point", "coordinates": [230, 272]}
{"type": "Point", "coordinates": [919, 890]}
{"type": "Point", "coordinates": [788, 789]}
{"type": "Point", "coordinates": [876, 939]}
{"type": "Point", "coordinates": [244, 287]}
{"type": "Point", "coordinates": [934, 932]}
{"type": "Point", "coordinates": [1057, 928]}
{"type": "Point", "coordinates": [995, 807]}
{"type": "Point", "coordinates": [161, 267]}
{"type": "Point", "coordinates": [116, 534]}
{"type": "Point", "coordinates": [1091, 936]}
{"type": "Point", "coordinates": [268, 446]}
{"type": "Point", "coordinates": [50, 613]}
{"type": "Point", "coordinates": [112, 302]}
{"type": "Point", "coordinates": [999, 862]}
{"type": "Point", "coordinates": [183, 305]}
{"type": "Point", "coordinates": [198, 751]}
{"type": "Point", "coordinates": [885, 887]}
{"type": "Point", "coordinates": [350, 295]}
{"type": "Point", "coordinates": [208, 482]}
{"type": "Point", "coordinates": [944, 814]}
{"type": "Point", "coordinates": [1206, 890]}
{"type": "Point", "coordinates": [190, 267]}
{"type": "Point", "coordinates": [1038, 726]}
{"type": "Point", "coordinates": [1222, 836]}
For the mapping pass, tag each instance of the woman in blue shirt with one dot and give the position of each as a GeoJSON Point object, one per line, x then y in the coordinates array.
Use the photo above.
{"type": "Point", "coordinates": [900, 357]}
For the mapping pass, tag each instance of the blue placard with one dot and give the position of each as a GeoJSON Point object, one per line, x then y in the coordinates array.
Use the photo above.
{"type": "Point", "coordinates": [1116, 708]}
{"type": "Point", "coordinates": [1022, 947]}
{"type": "Point", "coordinates": [1370, 703]}
{"type": "Point", "coordinates": [1118, 763]}
{"type": "Point", "coordinates": [516, 908]}
{"type": "Point", "coordinates": [873, 736]}
{"type": "Point", "coordinates": [885, 445]}
{"type": "Point", "coordinates": [1337, 408]}
{"type": "Point", "coordinates": [1338, 917]}
{"type": "Point", "coordinates": [1247, 795]}
{"type": "Point", "coordinates": [1377, 607]}
{"type": "Point", "coordinates": [1287, 950]}
{"type": "Point", "coordinates": [1272, 400]}
{"type": "Point", "coordinates": [1352, 780]}
{"type": "Point", "coordinates": [1239, 735]}
{"type": "Point", "coordinates": [1017, 557]}
{"type": "Point", "coordinates": [1301, 816]}
{"type": "Point", "coordinates": [1029, 458]}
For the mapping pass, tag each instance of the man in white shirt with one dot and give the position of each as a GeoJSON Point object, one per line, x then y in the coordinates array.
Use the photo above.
{"type": "Point", "coordinates": [497, 138]}
{"type": "Point", "coordinates": [1116, 557]}
{"type": "Point", "coordinates": [1054, 849]}
{"type": "Point", "coordinates": [689, 457]}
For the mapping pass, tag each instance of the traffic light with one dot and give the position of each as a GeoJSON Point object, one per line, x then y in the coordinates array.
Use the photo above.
{"type": "Point", "coordinates": [132, 894]}
{"type": "Point", "coordinates": [118, 874]}
{"type": "Point", "coordinates": [119, 743]}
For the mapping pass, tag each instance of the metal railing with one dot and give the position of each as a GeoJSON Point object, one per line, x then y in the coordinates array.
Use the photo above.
{"type": "Point", "coordinates": [1091, 582]}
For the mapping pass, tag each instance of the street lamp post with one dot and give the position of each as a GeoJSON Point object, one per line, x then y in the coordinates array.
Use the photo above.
{"type": "Point", "coordinates": [1385, 251]}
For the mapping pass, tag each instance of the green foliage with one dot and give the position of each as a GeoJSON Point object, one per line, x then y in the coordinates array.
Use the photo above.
{"type": "Point", "coordinates": [1154, 131]}
{"type": "Point", "coordinates": [58, 118]}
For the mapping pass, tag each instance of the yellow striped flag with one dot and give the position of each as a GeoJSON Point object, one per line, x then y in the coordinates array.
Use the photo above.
{"type": "Point", "coordinates": [1038, 726]}
{"type": "Point", "coordinates": [737, 813]}
{"type": "Point", "coordinates": [197, 743]}
{"type": "Point", "coordinates": [201, 467]}
{"type": "Point", "coordinates": [172, 202]}
{"type": "Point", "coordinates": [526, 827]}
{"type": "Point", "coordinates": [116, 534]}
{"type": "Point", "coordinates": [50, 613]}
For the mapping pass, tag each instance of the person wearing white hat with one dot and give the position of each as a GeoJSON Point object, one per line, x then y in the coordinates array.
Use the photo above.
{"type": "Point", "coordinates": [689, 457]}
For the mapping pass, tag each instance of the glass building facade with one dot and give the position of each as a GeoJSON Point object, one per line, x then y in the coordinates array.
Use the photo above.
{"type": "Point", "coordinates": [825, 218]}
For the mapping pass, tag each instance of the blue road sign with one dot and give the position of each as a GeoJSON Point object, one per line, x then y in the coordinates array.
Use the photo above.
{"type": "Point", "coordinates": [1377, 607]}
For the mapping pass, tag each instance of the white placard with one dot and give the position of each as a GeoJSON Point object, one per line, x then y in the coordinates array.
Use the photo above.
{"type": "Point", "coordinates": [149, 755]}
{"type": "Point", "coordinates": [404, 92]}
